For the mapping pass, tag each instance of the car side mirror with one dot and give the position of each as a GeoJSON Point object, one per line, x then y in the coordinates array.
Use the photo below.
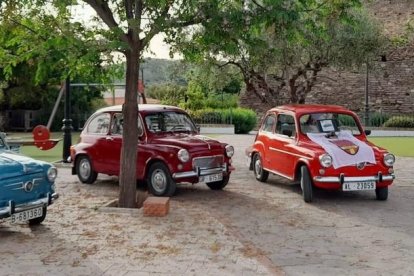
{"type": "Point", "coordinates": [287, 132]}
{"type": "Point", "coordinates": [367, 132]}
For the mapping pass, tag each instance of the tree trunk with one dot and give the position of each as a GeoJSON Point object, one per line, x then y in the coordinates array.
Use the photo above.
{"type": "Point", "coordinates": [127, 178]}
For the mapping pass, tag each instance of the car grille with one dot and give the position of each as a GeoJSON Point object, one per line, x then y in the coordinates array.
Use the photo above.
{"type": "Point", "coordinates": [208, 162]}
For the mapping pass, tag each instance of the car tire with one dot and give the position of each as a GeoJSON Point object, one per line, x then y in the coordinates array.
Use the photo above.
{"type": "Point", "coordinates": [259, 172]}
{"type": "Point", "coordinates": [39, 220]}
{"type": "Point", "coordinates": [84, 170]}
{"type": "Point", "coordinates": [306, 184]}
{"type": "Point", "coordinates": [219, 185]}
{"type": "Point", "coordinates": [160, 182]}
{"type": "Point", "coordinates": [381, 193]}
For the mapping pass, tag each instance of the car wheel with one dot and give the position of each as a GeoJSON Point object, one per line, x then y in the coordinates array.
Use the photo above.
{"type": "Point", "coordinates": [219, 185]}
{"type": "Point", "coordinates": [260, 173]}
{"type": "Point", "coordinates": [381, 193]}
{"type": "Point", "coordinates": [160, 182]}
{"type": "Point", "coordinates": [306, 184]}
{"type": "Point", "coordinates": [84, 170]}
{"type": "Point", "coordinates": [39, 220]}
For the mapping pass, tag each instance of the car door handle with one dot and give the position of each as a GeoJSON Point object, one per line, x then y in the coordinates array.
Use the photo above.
{"type": "Point", "coordinates": [109, 138]}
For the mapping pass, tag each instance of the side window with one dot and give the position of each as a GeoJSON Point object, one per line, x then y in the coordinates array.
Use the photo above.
{"type": "Point", "coordinates": [269, 123]}
{"type": "Point", "coordinates": [117, 124]}
{"type": "Point", "coordinates": [99, 124]}
{"type": "Point", "coordinates": [286, 124]}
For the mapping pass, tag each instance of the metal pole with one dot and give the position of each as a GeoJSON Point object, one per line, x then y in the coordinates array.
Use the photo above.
{"type": "Point", "coordinates": [67, 124]}
{"type": "Point", "coordinates": [366, 115]}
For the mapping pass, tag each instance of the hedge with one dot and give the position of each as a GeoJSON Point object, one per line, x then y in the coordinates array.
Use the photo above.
{"type": "Point", "coordinates": [400, 121]}
{"type": "Point", "coordinates": [244, 120]}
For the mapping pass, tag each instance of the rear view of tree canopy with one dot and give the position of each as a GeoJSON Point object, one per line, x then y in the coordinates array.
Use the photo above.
{"type": "Point", "coordinates": [282, 45]}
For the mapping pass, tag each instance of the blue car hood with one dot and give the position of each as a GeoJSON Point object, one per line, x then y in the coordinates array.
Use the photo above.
{"type": "Point", "coordinates": [13, 165]}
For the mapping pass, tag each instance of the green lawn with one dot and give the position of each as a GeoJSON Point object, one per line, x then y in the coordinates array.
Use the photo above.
{"type": "Point", "coordinates": [400, 146]}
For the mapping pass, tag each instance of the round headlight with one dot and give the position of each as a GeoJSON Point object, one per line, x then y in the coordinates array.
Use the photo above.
{"type": "Point", "coordinates": [51, 174]}
{"type": "Point", "coordinates": [183, 155]}
{"type": "Point", "coordinates": [229, 151]}
{"type": "Point", "coordinates": [325, 160]}
{"type": "Point", "coordinates": [389, 159]}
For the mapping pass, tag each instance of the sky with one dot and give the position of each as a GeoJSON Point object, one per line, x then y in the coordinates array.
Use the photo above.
{"type": "Point", "coordinates": [157, 47]}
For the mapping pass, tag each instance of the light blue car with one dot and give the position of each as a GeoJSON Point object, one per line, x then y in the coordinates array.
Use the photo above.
{"type": "Point", "coordinates": [27, 186]}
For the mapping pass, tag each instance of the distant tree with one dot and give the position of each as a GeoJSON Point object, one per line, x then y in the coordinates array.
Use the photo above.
{"type": "Point", "coordinates": [169, 93]}
{"type": "Point", "coordinates": [279, 45]}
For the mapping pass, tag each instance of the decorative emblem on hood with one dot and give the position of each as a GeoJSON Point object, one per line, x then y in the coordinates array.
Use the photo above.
{"type": "Point", "coordinates": [346, 146]}
{"type": "Point", "coordinates": [28, 186]}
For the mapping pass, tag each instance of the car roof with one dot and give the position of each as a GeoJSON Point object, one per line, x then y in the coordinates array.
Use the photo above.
{"type": "Point", "coordinates": [311, 108]}
{"type": "Point", "coordinates": [141, 108]}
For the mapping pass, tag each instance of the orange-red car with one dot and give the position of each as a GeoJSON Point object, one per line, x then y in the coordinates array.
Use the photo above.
{"type": "Point", "coordinates": [321, 146]}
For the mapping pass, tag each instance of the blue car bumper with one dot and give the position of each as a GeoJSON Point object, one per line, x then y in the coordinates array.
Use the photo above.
{"type": "Point", "coordinates": [12, 208]}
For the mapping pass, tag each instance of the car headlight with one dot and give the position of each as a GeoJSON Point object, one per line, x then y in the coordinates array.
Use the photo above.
{"type": "Point", "coordinates": [229, 151]}
{"type": "Point", "coordinates": [51, 174]}
{"type": "Point", "coordinates": [325, 160]}
{"type": "Point", "coordinates": [389, 159]}
{"type": "Point", "coordinates": [183, 155]}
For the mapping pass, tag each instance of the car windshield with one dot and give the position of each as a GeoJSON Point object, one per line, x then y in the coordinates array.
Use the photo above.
{"type": "Point", "coordinates": [169, 122]}
{"type": "Point", "coordinates": [328, 122]}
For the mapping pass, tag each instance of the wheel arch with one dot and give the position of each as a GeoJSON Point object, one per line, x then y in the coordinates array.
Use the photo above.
{"type": "Point", "coordinates": [299, 164]}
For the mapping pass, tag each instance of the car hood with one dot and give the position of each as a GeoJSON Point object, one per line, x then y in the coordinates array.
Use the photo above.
{"type": "Point", "coordinates": [190, 142]}
{"type": "Point", "coordinates": [12, 165]}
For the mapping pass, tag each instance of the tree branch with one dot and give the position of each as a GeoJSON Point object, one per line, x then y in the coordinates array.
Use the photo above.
{"type": "Point", "coordinates": [105, 13]}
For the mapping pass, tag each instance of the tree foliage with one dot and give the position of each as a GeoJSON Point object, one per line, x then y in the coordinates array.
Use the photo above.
{"type": "Point", "coordinates": [281, 46]}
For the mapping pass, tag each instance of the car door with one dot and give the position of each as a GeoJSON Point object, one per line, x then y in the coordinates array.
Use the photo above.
{"type": "Point", "coordinates": [266, 132]}
{"type": "Point", "coordinates": [97, 137]}
{"type": "Point", "coordinates": [282, 150]}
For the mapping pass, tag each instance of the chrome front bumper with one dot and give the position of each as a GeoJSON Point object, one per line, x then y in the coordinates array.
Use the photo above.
{"type": "Point", "coordinates": [200, 172]}
{"type": "Point", "coordinates": [342, 179]}
{"type": "Point", "coordinates": [12, 208]}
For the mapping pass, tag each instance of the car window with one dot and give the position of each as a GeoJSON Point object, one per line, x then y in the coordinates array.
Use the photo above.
{"type": "Point", "coordinates": [269, 123]}
{"type": "Point", "coordinates": [323, 122]}
{"type": "Point", "coordinates": [285, 122]}
{"type": "Point", "coordinates": [169, 121]}
{"type": "Point", "coordinates": [117, 125]}
{"type": "Point", "coordinates": [99, 124]}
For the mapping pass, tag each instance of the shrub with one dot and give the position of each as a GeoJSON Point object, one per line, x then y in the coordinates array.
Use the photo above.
{"type": "Point", "coordinates": [244, 120]}
{"type": "Point", "coordinates": [400, 121]}
{"type": "Point", "coordinates": [378, 119]}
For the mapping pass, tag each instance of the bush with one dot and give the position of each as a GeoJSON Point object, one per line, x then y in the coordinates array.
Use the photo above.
{"type": "Point", "coordinates": [244, 120]}
{"type": "Point", "coordinates": [378, 119]}
{"type": "Point", "coordinates": [400, 121]}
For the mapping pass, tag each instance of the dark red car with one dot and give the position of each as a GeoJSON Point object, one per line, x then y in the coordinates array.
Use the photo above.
{"type": "Point", "coordinates": [321, 146]}
{"type": "Point", "coordinates": [170, 150]}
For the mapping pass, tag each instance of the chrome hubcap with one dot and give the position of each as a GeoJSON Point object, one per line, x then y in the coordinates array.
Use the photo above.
{"type": "Point", "coordinates": [258, 168]}
{"type": "Point", "coordinates": [84, 168]}
{"type": "Point", "coordinates": [159, 181]}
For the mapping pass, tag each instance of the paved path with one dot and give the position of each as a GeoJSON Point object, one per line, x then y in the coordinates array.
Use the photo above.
{"type": "Point", "coordinates": [250, 228]}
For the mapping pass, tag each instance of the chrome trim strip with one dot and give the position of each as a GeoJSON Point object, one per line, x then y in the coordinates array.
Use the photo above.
{"type": "Point", "coordinates": [199, 172]}
{"type": "Point", "coordinates": [335, 179]}
{"type": "Point", "coordinates": [14, 184]}
{"type": "Point", "coordinates": [280, 174]}
{"type": "Point", "coordinates": [287, 152]}
{"type": "Point", "coordinates": [32, 204]}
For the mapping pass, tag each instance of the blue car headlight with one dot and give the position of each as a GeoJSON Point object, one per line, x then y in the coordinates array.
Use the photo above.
{"type": "Point", "coordinates": [52, 174]}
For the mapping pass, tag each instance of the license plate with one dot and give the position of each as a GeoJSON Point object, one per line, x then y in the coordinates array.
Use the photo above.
{"type": "Point", "coordinates": [359, 186]}
{"type": "Point", "coordinates": [211, 178]}
{"type": "Point", "coordinates": [27, 215]}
